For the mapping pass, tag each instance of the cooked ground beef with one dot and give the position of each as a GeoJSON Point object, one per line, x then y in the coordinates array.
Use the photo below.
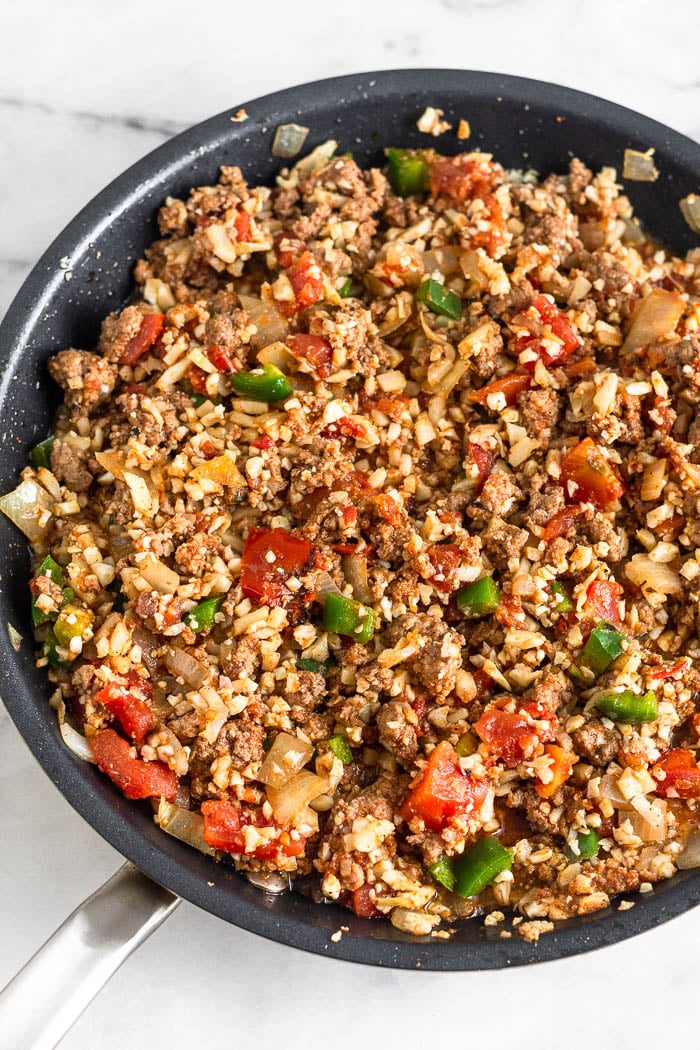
{"type": "Point", "coordinates": [429, 579]}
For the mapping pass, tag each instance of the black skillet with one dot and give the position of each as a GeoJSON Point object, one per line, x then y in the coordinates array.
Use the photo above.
{"type": "Point", "coordinates": [525, 123]}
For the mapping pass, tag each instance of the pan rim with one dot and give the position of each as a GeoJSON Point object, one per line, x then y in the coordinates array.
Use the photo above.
{"type": "Point", "coordinates": [167, 865]}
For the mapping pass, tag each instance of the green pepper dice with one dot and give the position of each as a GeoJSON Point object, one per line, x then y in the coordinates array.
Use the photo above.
{"type": "Point", "coordinates": [201, 618]}
{"type": "Point", "coordinates": [40, 455]}
{"type": "Point", "coordinates": [588, 845]}
{"type": "Point", "coordinates": [439, 299]}
{"type": "Point", "coordinates": [478, 867]}
{"type": "Point", "coordinates": [604, 645]}
{"type": "Point", "coordinates": [348, 288]}
{"type": "Point", "coordinates": [408, 172]}
{"type": "Point", "coordinates": [628, 707]}
{"type": "Point", "coordinates": [263, 384]}
{"type": "Point", "coordinates": [346, 616]}
{"type": "Point", "coordinates": [317, 666]}
{"type": "Point", "coordinates": [562, 598]}
{"type": "Point", "coordinates": [72, 622]}
{"type": "Point", "coordinates": [54, 572]}
{"type": "Point", "coordinates": [340, 747]}
{"type": "Point", "coordinates": [466, 745]}
{"type": "Point", "coordinates": [479, 598]}
{"type": "Point", "coordinates": [443, 872]}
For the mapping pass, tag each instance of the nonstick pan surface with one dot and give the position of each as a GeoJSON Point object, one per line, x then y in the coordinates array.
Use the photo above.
{"type": "Point", "coordinates": [86, 273]}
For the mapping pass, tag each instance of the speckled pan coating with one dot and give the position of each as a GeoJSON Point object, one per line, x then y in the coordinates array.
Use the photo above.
{"type": "Point", "coordinates": [86, 273]}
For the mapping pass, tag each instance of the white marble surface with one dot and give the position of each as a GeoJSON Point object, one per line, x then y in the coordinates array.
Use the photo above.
{"type": "Point", "coordinates": [86, 89]}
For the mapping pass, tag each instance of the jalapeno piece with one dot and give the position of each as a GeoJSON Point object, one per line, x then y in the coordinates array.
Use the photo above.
{"type": "Point", "coordinates": [408, 172]}
{"type": "Point", "coordinates": [478, 867]}
{"type": "Point", "coordinates": [628, 707]}
{"type": "Point", "coordinates": [439, 299]}
{"type": "Point", "coordinates": [262, 384]}
{"type": "Point", "coordinates": [479, 598]}
{"type": "Point", "coordinates": [346, 616]}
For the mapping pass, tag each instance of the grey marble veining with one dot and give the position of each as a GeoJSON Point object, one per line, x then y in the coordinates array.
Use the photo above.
{"type": "Point", "coordinates": [87, 89]}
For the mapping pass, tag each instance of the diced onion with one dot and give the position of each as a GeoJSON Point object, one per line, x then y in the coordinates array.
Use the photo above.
{"type": "Point", "coordinates": [184, 666]}
{"type": "Point", "coordinates": [288, 140]}
{"type": "Point", "coordinates": [325, 584]}
{"type": "Point", "coordinates": [271, 326]}
{"type": "Point", "coordinates": [654, 317]}
{"type": "Point", "coordinates": [28, 506]}
{"type": "Point", "coordinates": [184, 825]}
{"type": "Point", "coordinates": [278, 355]}
{"type": "Point", "coordinates": [286, 757]}
{"type": "Point", "coordinates": [690, 206]}
{"type": "Point", "coordinates": [648, 819]}
{"type": "Point", "coordinates": [290, 802]}
{"type": "Point", "coordinates": [15, 637]}
{"type": "Point", "coordinates": [610, 790]}
{"type": "Point", "coordinates": [317, 159]}
{"type": "Point", "coordinates": [355, 572]}
{"type": "Point", "coordinates": [652, 575]}
{"type": "Point", "coordinates": [159, 576]}
{"type": "Point", "coordinates": [73, 740]}
{"type": "Point", "coordinates": [640, 167]}
{"type": "Point", "coordinates": [690, 857]}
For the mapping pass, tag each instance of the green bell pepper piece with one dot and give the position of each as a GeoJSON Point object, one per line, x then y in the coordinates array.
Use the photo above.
{"type": "Point", "coordinates": [348, 288]}
{"type": "Point", "coordinates": [588, 845]}
{"type": "Point", "coordinates": [50, 651]}
{"type": "Point", "coordinates": [479, 598]}
{"type": "Point", "coordinates": [628, 707]}
{"type": "Point", "coordinates": [466, 745]}
{"type": "Point", "coordinates": [562, 598]}
{"type": "Point", "coordinates": [409, 172]}
{"type": "Point", "coordinates": [478, 867]}
{"type": "Point", "coordinates": [262, 384]}
{"type": "Point", "coordinates": [604, 645]}
{"type": "Point", "coordinates": [340, 747]}
{"type": "Point", "coordinates": [201, 618]}
{"type": "Point", "coordinates": [346, 616]}
{"type": "Point", "coordinates": [72, 622]}
{"type": "Point", "coordinates": [323, 667]}
{"type": "Point", "coordinates": [40, 455]}
{"type": "Point", "coordinates": [443, 872]}
{"type": "Point", "coordinates": [439, 299]}
{"type": "Point", "coordinates": [53, 570]}
{"type": "Point", "coordinates": [199, 399]}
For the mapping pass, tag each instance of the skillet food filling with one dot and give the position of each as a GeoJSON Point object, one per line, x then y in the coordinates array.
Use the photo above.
{"type": "Point", "coordinates": [368, 539]}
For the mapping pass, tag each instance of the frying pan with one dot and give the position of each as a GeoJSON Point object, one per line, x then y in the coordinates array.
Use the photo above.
{"type": "Point", "coordinates": [85, 274]}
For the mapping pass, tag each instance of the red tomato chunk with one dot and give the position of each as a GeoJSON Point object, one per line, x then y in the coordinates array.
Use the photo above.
{"type": "Point", "coordinates": [587, 476]}
{"type": "Point", "coordinates": [552, 337]}
{"type": "Point", "coordinates": [148, 333]}
{"type": "Point", "coordinates": [224, 825]}
{"type": "Point", "coordinates": [134, 714]}
{"type": "Point", "coordinates": [507, 735]}
{"type": "Point", "coordinates": [306, 278]}
{"type": "Point", "coordinates": [136, 778]}
{"type": "Point", "coordinates": [677, 775]}
{"type": "Point", "coordinates": [270, 557]}
{"type": "Point", "coordinates": [314, 349]}
{"type": "Point", "coordinates": [603, 602]}
{"type": "Point", "coordinates": [443, 791]}
{"type": "Point", "coordinates": [509, 385]}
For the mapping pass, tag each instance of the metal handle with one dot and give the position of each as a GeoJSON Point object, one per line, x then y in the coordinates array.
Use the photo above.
{"type": "Point", "coordinates": [51, 991]}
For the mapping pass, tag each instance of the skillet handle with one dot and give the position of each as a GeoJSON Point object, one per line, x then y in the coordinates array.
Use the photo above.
{"type": "Point", "coordinates": [51, 991]}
